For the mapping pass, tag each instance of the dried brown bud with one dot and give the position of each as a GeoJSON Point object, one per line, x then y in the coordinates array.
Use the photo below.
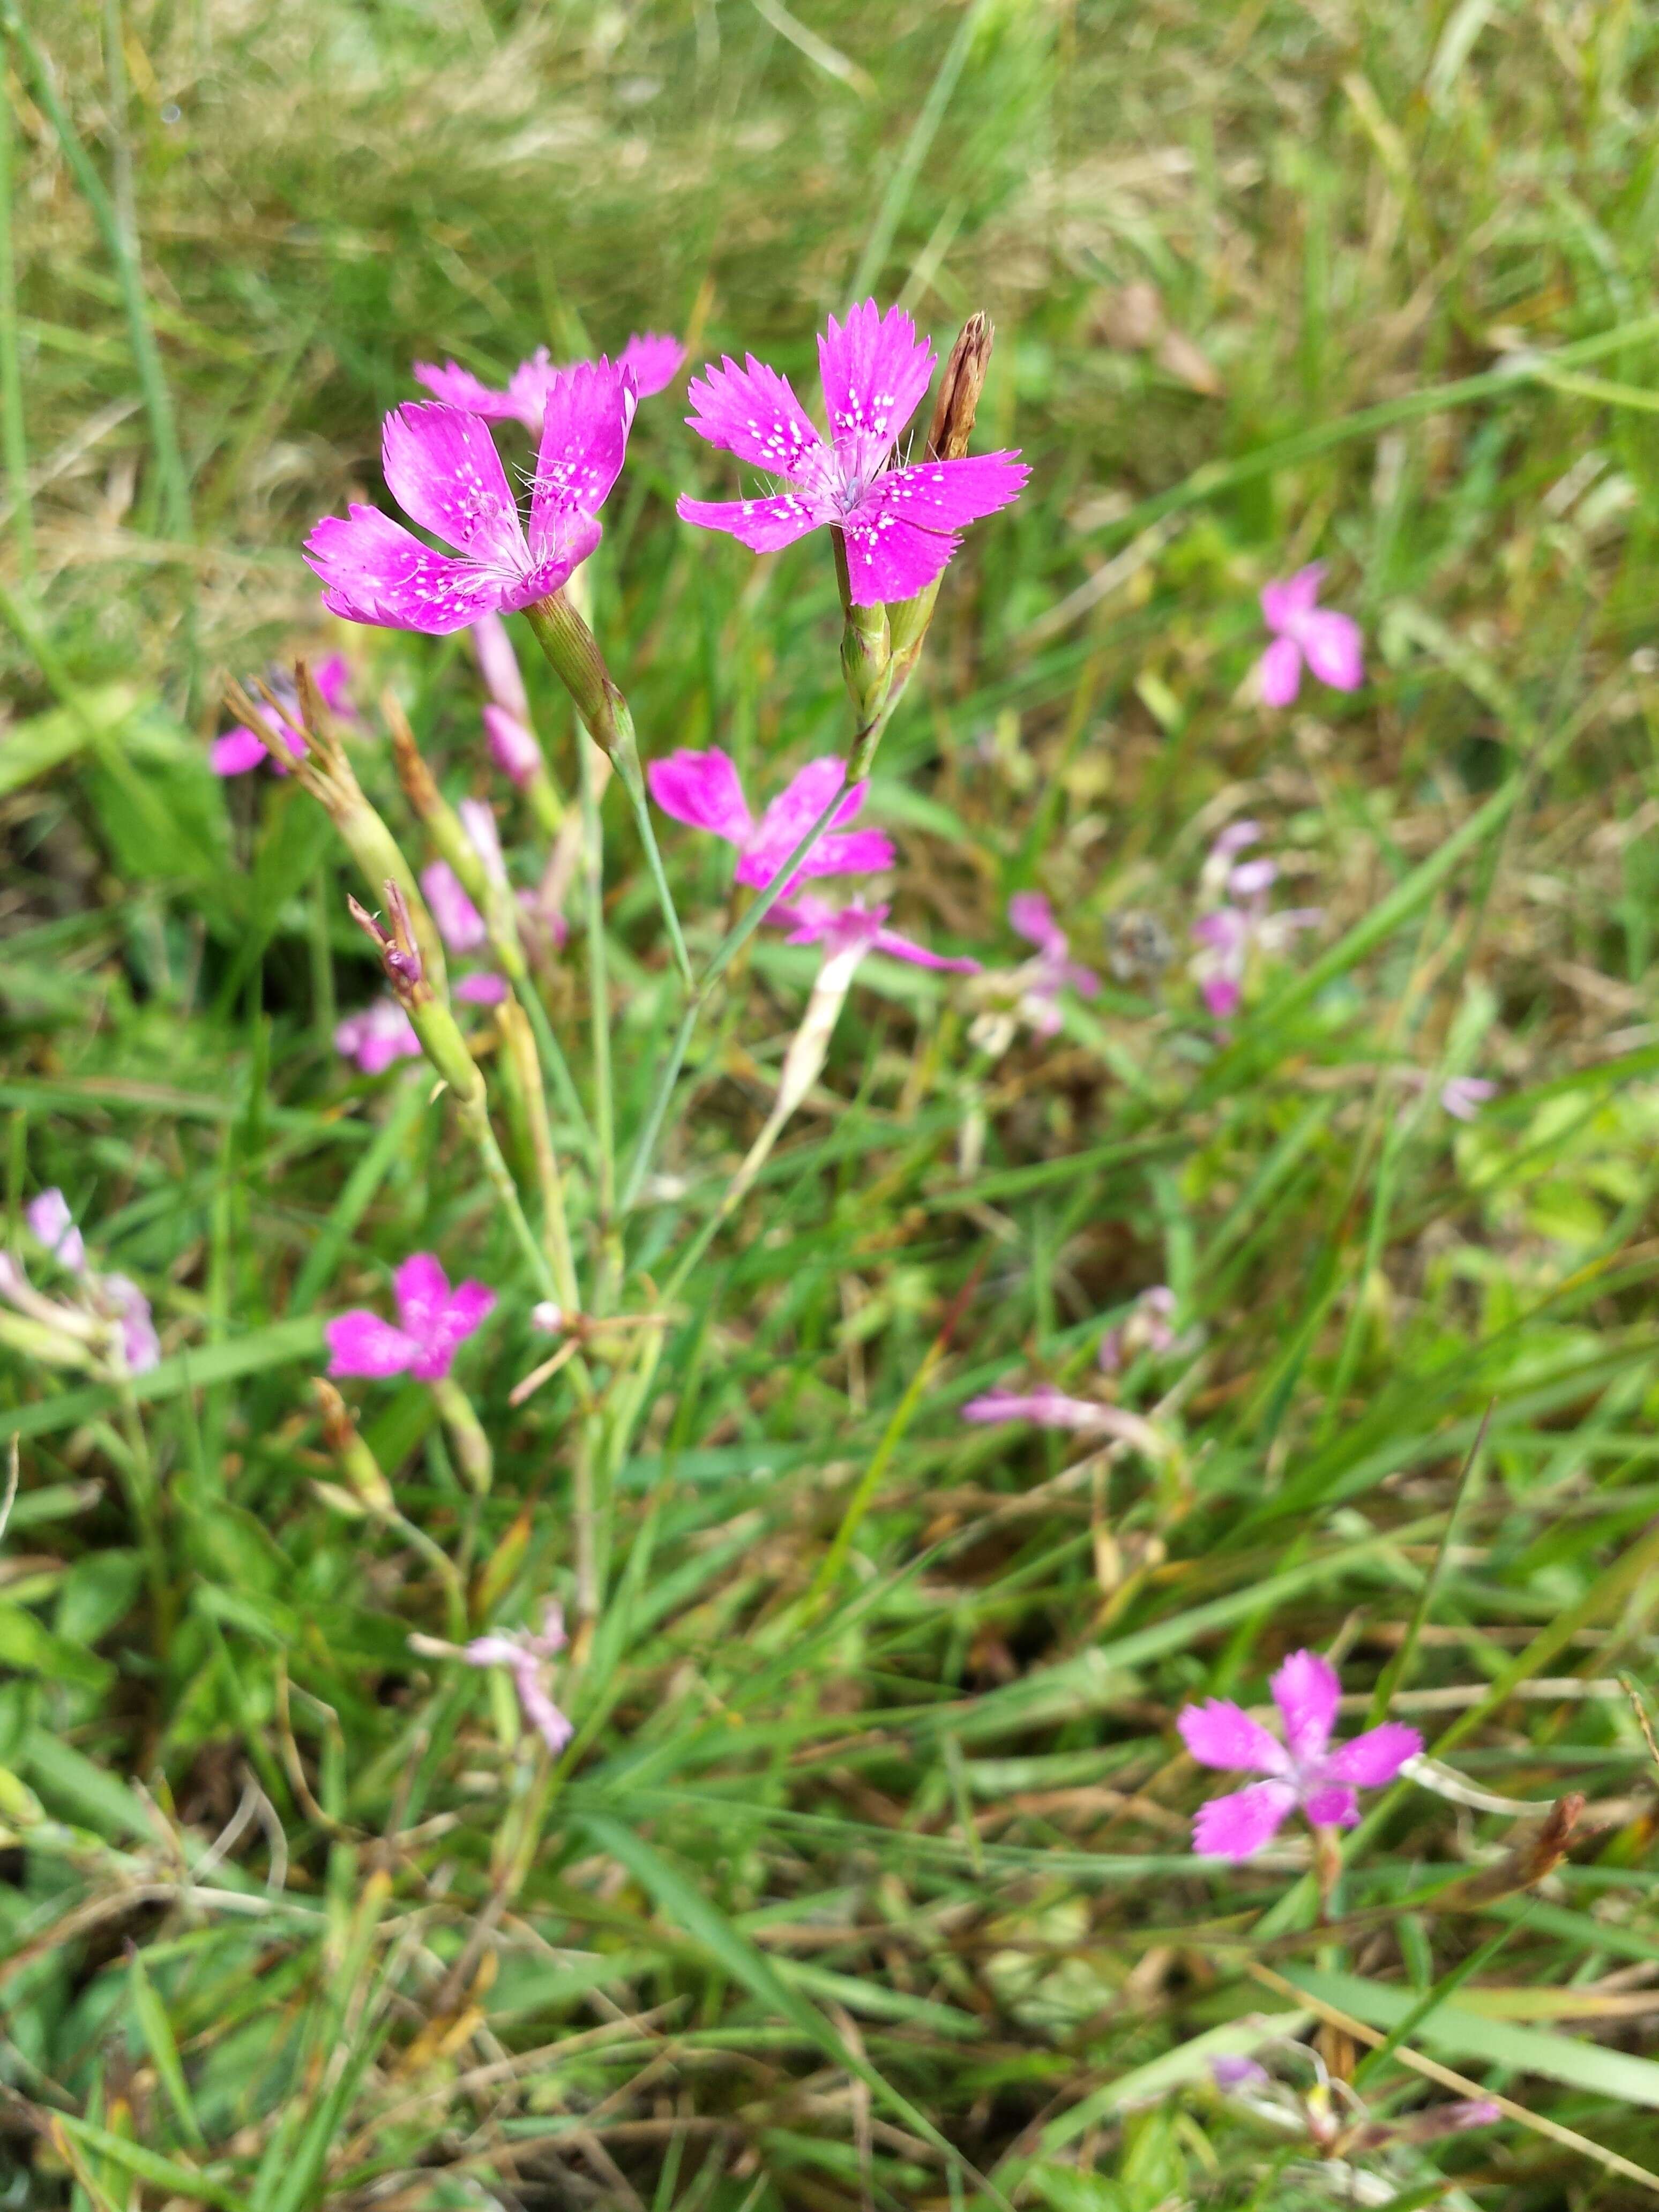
{"type": "Point", "coordinates": [356, 1461]}
{"type": "Point", "coordinates": [959, 389]}
{"type": "Point", "coordinates": [416, 777]}
{"type": "Point", "coordinates": [338, 1431]}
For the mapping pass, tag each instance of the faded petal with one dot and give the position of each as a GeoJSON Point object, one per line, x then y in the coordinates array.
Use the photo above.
{"type": "Point", "coordinates": [140, 1348]}
{"type": "Point", "coordinates": [50, 1219]}
{"type": "Point", "coordinates": [584, 439]}
{"type": "Point", "coordinates": [702, 789]}
{"type": "Point", "coordinates": [793, 813]}
{"type": "Point", "coordinates": [650, 360]}
{"type": "Point", "coordinates": [492, 1651]}
{"type": "Point", "coordinates": [1283, 602]}
{"type": "Point", "coordinates": [1375, 1758]}
{"type": "Point", "coordinates": [1238, 1825]}
{"type": "Point", "coordinates": [513, 747]}
{"type": "Point", "coordinates": [1332, 1806]}
{"type": "Point", "coordinates": [539, 1707]}
{"type": "Point", "coordinates": [1219, 1733]}
{"type": "Point", "coordinates": [550, 1636]}
{"type": "Point", "coordinates": [764, 526]}
{"type": "Point", "coordinates": [459, 387]}
{"type": "Point", "coordinates": [752, 412]}
{"type": "Point", "coordinates": [479, 820]}
{"type": "Point", "coordinates": [460, 922]}
{"type": "Point", "coordinates": [875, 372]}
{"type": "Point", "coordinates": [1307, 1691]}
{"type": "Point", "coordinates": [1278, 671]}
{"type": "Point", "coordinates": [236, 751]}
{"type": "Point", "coordinates": [1335, 649]}
{"type": "Point", "coordinates": [373, 570]}
{"type": "Point", "coordinates": [1045, 1405]}
{"type": "Point", "coordinates": [442, 469]}
{"type": "Point", "coordinates": [361, 1343]}
{"type": "Point", "coordinates": [1030, 914]}
{"type": "Point", "coordinates": [499, 666]}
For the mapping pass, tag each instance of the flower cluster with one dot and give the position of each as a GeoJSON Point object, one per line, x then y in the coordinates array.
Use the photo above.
{"type": "Point", "coordinates": [526, 1655]}
{"type": "Point", "coordinates": [1237, 925]}
{"type": "Point", "coordinates": [108, 1319]}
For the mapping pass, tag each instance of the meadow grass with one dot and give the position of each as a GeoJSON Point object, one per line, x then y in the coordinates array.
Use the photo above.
{"type": "Point", "coordinates": [867, 1880]}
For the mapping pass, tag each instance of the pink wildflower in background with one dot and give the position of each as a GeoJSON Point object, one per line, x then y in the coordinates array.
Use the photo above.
{"type": "Point", "coordinates": [443, 468]}
{"type": "Point", "coordinates": [857, 927]}
{"type": "Point", "coordinates": [525, 1656]}
{"type": "Point", "coordinates": [1054, 970]}
{"type": "Point", "coordinates": [377, 1035]}
{"type": "Point", "coordinates": [1302, 1770]}
{"type": "Point", "coordinates": [1304, 631]}
{"type": "Point", "coordinates": [111, 1298]}
{"type": "Point", "coordinates": [647, 363]}
{"type": "Point", "coordinates": [899, 525]}
{"type": "Point", "coordinates": [513, 743]}
{"type": "Point", "coordinates": [1465, 1095]}
{"type": "Point", "coordinates": [460, 922]}
{"type": "Point", "coordinates": [1230, 933]}
{"type": "Point", "coordinates": [242, 749]}
{"type": "Point", "coordinates": [703, 790]}
{"type": "Point", "coordinates": [1148, 1328]}
{"type": "Point", "coordinates": [433, 1322]}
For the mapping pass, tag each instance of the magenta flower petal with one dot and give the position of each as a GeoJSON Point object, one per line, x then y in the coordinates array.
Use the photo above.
{"type": "Point", "coordinates": [361, 1343]}
{"type": "Point", "coordinates": [460, 922]}
{"type": "Point", "coordinates": [1332, 645]}
{"type": "Point", "coordinates": [1332, 1806]}
{"type": "Point", "coordinates": [1307, 1691]}
{"type": "Point", "coordinates": [333, 677]}
{"type": "Point", "coordinates": [752, 412]}
{"type": "Point", "coordinates": [1280, 671]}
{"type": "Point", "coordinates": [650, 360]}
{"type": "Point", "coordinates": [896, 947]}
{"type": "Point", "coordinates": [499, 666]}
{"type": "Point", "coordinates": [583, 443]}
{"type": "Point", "coordinates": [482, 989]}
{"type": "Point", "coordinates": [1282, 602]}
{"type": "Point", "coordinates": [1030, 914]}
{"type": "Point", "coordinates": [50, 1219]}
{"type": "Point", "coordinates": [1221, 1733]}
{"type": "Point", "coordinates": [950, 494]}
{"type": "Point", "coordinates": [422, 1289]}
{"type": "Point", "coordinates": [703, 790]}
{"type": "Point", "coordinates": [512, 746]}
{"type": "Point", "coordinates": [373, 570]}
{"type": "Point", "coordinates": [764, 526]}
{"type": "Point", "coordinates": [889, 556]}
{"type": "Point", "coordinates": [875, 371]}
{"type": "Point", "coordinates": [1238, 1825]}
{"type": "Point", "coordinates": [1221, 995]}
{"type": "Point", "coordinates": [376, 1035]}
{"type": "Point", "coordinates": [459, 387]}
{"type": "Point", "coordinates": [236, 751]}
{"type": "Point", "coordinates": [442, 467]}
{"type": "Point", "coordinates": [793, 813]}
{"type": "Point", "coordinates": [1375, 1758]}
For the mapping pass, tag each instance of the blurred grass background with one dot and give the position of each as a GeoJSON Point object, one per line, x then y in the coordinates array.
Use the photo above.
{"type": "Point", "coordinates": [1271, 282]}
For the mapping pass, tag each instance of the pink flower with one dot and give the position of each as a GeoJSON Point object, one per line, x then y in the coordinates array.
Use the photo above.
{"type": "Point", "coordinates": [702, 789]}
{"type": "Point", "coordinates": [1302, 1770]}
{"type": "Point", "coordinates": [1304, 630]}
{"type": "Point", "coordinates": [1233, 932]}
{"type": "Point", "coordinates": [433, 1321]}
{"type": "Point", "coordinates": [1465, 1095]}
{"type": "Point", "coordinates": [1150, 1328]}
{"type": "Point", "coordinates": [115, 1298]}
{"type": "Point", "coordinates": [460, 922]}
{"type": "Point", "coordinates": [1043, 979]}
{"type": "Point", "coordinates": [377, 1035]}
{"type": "Point", "coordinates": [482, 988]}
{"type": "Point", "coordinates": [899, 525]}
{"type": "Point", "coordinates": [512, 745]}
{"type": "Point", "coordinates": [526, 1656]}
{"type": "Point", "coordinates": [442, 467]}
{"type": "Point", "coordinates": [812, 921]}
{"type": "Point", "coordinates": [648, 361]}
{"type": "Point", "coordinates": [506, 718]}
{"type": "Point", "coordinates": [242, 749]}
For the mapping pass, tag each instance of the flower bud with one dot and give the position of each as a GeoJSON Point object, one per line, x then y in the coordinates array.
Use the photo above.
{"type": "Point", "coordinates": [573, 652]}
{"type": "Point", "coordinates": [367, 1485]}
{"type": "Point", "coordinates": [959, 389]}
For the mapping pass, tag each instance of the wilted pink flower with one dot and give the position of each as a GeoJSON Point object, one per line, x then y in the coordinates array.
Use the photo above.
{"type": "Point", "coordinates": [433, 1321]}
{"type": "Point", "coordinates": [377, 1035]}
{"type": "Point", "coordinates": [813, 920]}
{"type": "Point", "coordinates": [1239, 2073]}
{"type": "Point", "coordinates": [115, 1298]}
{"type": "Point", "coordinates": [242, 749]}
{"type": "Point", "coordinates": [702, 789]}
{"type": "Point", "coordinates": [1465, 1095]}
{"type": "Point", "coordinates": [1304, 630]}
{"type": "Point", "coordinates": [1042, 980]}
{"type": "Point", "coordinates": [899, 525]}
{"type": "Point", "coordinates": [648, 361]}
{"type": "Point", "coordinates": [442, 467]}
{"type": "Point", "coordinates": [1231, 932]}
{"type": "Point", "coordinates": [525, 1656]}
{"type": "Point", "coordinates": [1150, 1328]}
{"type": "Point", "coordinates": [1303, 1770]}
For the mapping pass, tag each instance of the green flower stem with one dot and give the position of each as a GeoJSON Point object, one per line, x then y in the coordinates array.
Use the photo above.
{"type": "Point", "coordinates": [11, 369]}
{"type": "Point", "coordinates": [599, 1014]}
{"type": "Point", "coordinates": [466, 1433]}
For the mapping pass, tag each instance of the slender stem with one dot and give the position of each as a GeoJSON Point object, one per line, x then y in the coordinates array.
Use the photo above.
{"type": "Point", "coordinates": [627, 760]}
{"type": "Point", "coordinates": [554, 1222]}
{"type": "Point", "coordinates": [143, 1495]}
{"type": "Point", "coordinates": [599, 1015]}
{"type": "Point", "coordinates": [439, 1559]}
{"type": "Point", "coordinates": [727, 950]}
{"type": "Point", "coordinates": [553, 1059]}
{"type": "Point", "coordinates": [475, 1112]}
{"type": "Point", "coordinates": [466, 1434]}
{"type": "Point", "coordinates": [11, 370]}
